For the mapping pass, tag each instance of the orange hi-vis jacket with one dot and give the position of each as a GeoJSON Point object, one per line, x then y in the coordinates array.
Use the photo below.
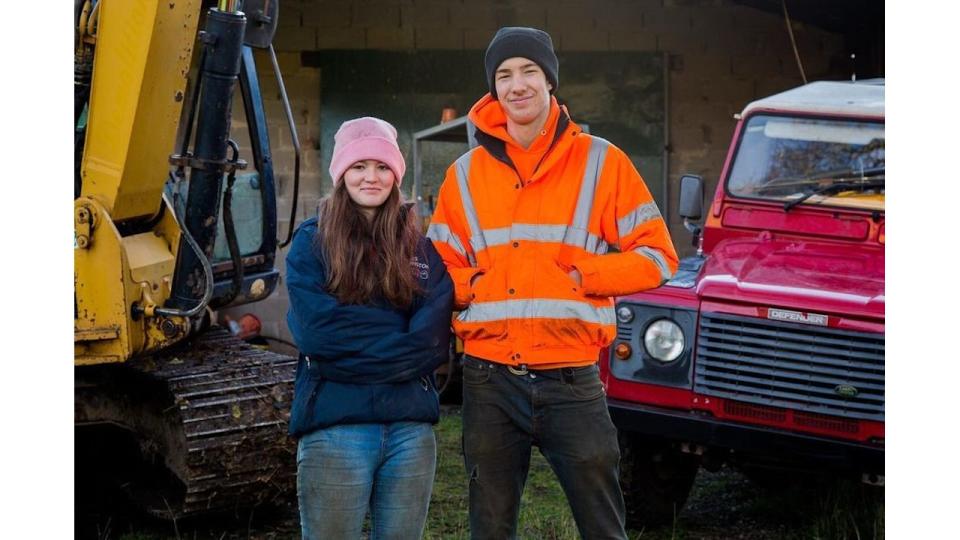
{"type": "Point", "coordinates": [525, 218]}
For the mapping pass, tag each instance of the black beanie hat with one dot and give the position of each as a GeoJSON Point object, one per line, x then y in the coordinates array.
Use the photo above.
{"type": "Point", "coordinates": [511, 41]}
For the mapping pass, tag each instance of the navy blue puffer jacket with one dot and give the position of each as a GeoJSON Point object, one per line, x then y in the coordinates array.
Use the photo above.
{"type": "Point", "coordinates": [369, 363]}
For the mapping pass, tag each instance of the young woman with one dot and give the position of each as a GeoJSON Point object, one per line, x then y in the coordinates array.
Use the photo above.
{"type": "Point", "coordinates": [370, 306]}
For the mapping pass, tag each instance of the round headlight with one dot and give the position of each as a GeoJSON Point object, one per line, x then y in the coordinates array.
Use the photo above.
{"type": "Point", "coordinates": [664, 340]}
{"type": "Point", "coordinates": [624, 314]}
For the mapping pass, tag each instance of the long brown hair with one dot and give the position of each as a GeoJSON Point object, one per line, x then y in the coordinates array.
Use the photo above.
{"type": "Point", "coordinates": [369, 259]}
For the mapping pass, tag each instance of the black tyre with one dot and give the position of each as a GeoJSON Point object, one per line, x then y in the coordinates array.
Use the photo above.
{"type": "Point", "coordinates": [656, 478]}
{"type": "Point", "coordinates": [775, 479]}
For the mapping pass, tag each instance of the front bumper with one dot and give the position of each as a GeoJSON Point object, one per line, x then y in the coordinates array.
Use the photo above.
{"type": "Point", "coordinates": [748, 440]}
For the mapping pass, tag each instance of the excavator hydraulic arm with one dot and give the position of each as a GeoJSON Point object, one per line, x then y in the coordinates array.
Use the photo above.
{"type": "Point", "coordinates": [142, 54]}
{"type": "Point", "coordinates": [156, 171]}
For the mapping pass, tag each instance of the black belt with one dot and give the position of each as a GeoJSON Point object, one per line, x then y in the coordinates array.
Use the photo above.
{"type": "Point", "coordinates": [566, 374]}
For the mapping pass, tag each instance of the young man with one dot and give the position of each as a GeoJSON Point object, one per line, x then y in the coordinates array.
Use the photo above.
{"type": "Point", "coordinates": [540, 225]}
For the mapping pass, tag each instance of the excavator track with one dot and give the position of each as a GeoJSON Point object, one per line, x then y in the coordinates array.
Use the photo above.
{"type": "Point", "coordinates": [212, 413]}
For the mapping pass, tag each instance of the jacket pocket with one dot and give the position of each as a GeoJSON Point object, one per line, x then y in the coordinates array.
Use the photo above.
{"type": "Point", "coordinates": [429, 384]}
{"type": "Point", "coordinates": [486, 316]}
{"type": "Point", "coordinates": [489, 285]}
{"type": "Point", "coordinates": [414, 400]}
{"type": "Point", "coordinates": [568, 313]}
{"type": "Point", "coordinates": [306, 390]}
{"type": "Point", "coordinates": [564, 271]}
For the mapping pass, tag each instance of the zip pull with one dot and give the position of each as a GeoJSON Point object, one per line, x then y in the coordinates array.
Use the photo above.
{"type": "Point", "coordinates": [307, 358]}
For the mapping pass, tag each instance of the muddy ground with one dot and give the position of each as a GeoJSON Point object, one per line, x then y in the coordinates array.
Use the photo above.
{"type": "Point", "coordinates": [722, 505]}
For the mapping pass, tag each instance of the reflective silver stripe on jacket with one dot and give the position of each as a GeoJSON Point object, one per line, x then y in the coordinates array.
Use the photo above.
{"type": "Point", "coordinates": [462, 167]}
{"type": "Point", "coordinates": [537, 309]}
{"type": "Point", "coordinates": [525, 231]}
{"type": "Point", "coordinates": [545, 233]}
{"type": "Point", "coordinates": [440, 232]}
{"type": "Point", "coordinates": [588, 186]}
{"type": "Point", "coordinates": [640, 215]}
{"type": "Point", "coordinates": [575, 234]}
{"type": "Point", "coordinates": [657, 258]}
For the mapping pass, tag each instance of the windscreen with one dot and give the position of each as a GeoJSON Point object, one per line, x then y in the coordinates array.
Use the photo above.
{"type": "Point", "coordinates": [810, 161]}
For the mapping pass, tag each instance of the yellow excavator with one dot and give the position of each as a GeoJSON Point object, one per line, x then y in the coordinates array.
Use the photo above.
{"type": "Point", "coordinates": [173, 221]}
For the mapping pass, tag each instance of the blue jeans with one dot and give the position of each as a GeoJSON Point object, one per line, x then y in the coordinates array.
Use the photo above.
{"type": "Point", "coordinates": [344, 470]}
{"type": "Point", "coordinates": [564, 413]}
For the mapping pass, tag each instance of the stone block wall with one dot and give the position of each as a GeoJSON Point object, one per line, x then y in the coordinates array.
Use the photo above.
{"type": "Point", "coordinates": [721, 56]}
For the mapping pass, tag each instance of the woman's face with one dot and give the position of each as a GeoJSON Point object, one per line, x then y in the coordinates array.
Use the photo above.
{"type": "Point", "coordinates": [369, 183]}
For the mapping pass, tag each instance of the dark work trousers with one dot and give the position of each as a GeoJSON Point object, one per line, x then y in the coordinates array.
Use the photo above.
{"type": "Point", "coordinates": [561, 411]}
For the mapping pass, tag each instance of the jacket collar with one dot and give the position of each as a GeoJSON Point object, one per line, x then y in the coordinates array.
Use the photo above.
{"type": "Point", "coordinates": [491, 122]}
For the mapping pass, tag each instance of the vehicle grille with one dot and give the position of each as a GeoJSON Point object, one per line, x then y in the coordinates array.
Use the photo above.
{"type": "Point", "coordinates": [624, 331]}
{"type": "Point", "coordinates": [790, 365]}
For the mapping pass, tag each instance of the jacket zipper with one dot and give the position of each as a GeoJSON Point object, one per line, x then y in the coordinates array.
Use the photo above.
{"type": "Point", "coordinates": [505, 159]}
{"type": "Point", "coordinates": [553, 143]}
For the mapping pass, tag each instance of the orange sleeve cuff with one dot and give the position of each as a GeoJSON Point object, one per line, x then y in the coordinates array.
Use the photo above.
{"type": "Point", "coordinates": [463, 291]}
{"type": "Point", "coordinates": [617, 274]}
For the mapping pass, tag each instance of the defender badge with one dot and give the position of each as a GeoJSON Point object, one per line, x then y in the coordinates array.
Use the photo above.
{"type": "Point", "coordinates": [796, 316]}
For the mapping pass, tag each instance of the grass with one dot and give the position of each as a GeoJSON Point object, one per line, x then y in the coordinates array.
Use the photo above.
{"type": "Point", "coordinates": [849, 511]}
{"type": "Point", "coordinates": [448, 504]}
{"type": "Point", "coordinates": [722, 505]}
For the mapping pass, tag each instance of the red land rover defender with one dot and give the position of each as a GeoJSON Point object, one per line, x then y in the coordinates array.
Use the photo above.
{"type": "Point", "coordinates": [766, 350]}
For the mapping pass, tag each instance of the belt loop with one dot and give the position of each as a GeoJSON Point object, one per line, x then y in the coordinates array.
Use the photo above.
{"type": "Point", "coordinates": [567, 375]}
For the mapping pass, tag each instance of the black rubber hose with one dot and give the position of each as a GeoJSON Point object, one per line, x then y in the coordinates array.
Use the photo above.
{"type": "Point", "coordinates": [204, 263]}
{"type": "Point", "coordinates": [230, 230]}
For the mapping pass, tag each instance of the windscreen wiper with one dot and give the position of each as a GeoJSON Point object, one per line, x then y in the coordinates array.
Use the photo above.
{"type": "Point", "coordinates": [846, 184]}
{"type": "Point", "coordinates": [806, 179]}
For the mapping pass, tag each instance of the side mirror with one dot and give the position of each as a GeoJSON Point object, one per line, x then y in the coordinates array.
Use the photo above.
{"type": "Point", "coordinates": [691, 206]}
{"type": "Point", "coordinates": [691, 197]}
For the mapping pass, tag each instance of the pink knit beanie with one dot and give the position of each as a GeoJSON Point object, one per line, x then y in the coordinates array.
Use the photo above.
{"type": "Point", "coordinates": [366, 138]}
